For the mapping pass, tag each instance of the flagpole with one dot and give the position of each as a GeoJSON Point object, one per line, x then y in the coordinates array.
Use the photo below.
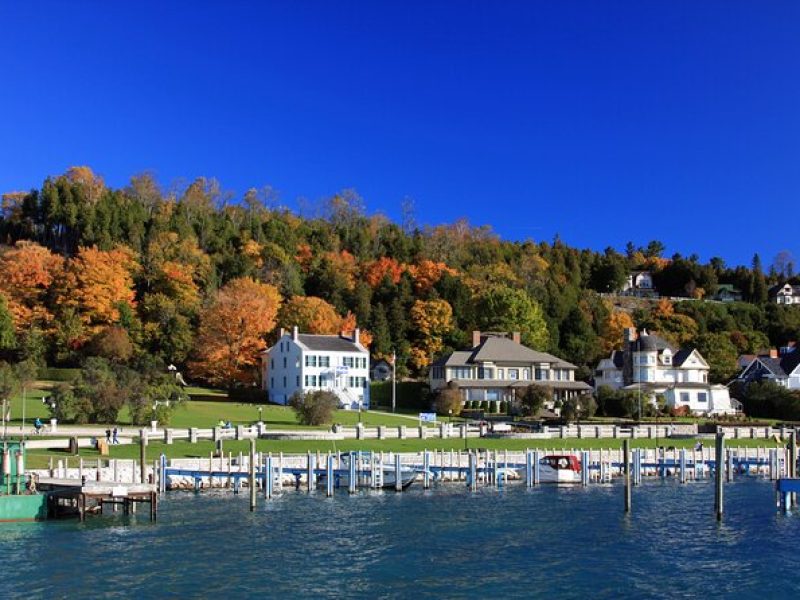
{"type": "Point", "coordinates": [394, 380]}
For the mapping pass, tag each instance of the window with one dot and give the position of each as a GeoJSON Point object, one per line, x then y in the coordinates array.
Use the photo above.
{"type": "Point", "coordinates": [513, 373]}
{"type": "Point", "coordinates": [667, 359]}
{"type": "Point", "coordinates": [272, 382]}
{"type": "Point", "coordinates": [702, 397]}
{"type": "Point", "coordinates": [705, 377]}
{"type": "Point", "coordinates": [461, 372]}
{"type": "Point", "coordinates": [298, 381]}
{"type": "Point", "coordinates": [356, 382]}
{"type": "Point", "coordinates": [684, 397]}
{"type": "Point", "coordinates": [284, 381]}
{"type": "Point", "coordinates": [311, 360]}
{"type": "Point", "coordinates": [324, 361]}
{"type": "Point", "coordinates": [437, 373]}
{"type": "Point", "coordinates": [347, 361]}
{"type": "Point", "coordinates": [311, 381]}
{"type": "Point", "coordinates": [284, 362]}
{"type": "Point", "coordinates": [542, 374]}
{"type": "Point", "coordinates": [485, 373]}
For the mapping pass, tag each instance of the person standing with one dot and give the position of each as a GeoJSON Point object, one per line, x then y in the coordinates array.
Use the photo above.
{"type": "Point", "coordinates": [108, 436]}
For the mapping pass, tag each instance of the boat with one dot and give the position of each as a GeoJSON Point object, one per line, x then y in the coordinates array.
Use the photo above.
{"type": "Point", "coordinates": [559, 468]}
{"type": "Point", "coordinates": [386, 478]}
{"type": "Point", "coordinates": [18, 499]}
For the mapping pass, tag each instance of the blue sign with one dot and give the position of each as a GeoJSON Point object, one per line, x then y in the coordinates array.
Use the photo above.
{"type": "Point", "coordinates": [342, 370]}
{"type": "Point", "coordinates": [427, 417]}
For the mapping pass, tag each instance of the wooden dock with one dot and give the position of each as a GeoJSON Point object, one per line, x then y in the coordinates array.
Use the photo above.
{"type": "Point", "coordinates": [76, 497]}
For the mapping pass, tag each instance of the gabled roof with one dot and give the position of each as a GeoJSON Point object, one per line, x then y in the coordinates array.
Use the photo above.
{"type": "Point", "coordinates": [499, 349]}
{"type": "Point", "coordinates": [681, 355]}
{"type": "Point", "coordinates": [789, 361]}
{"type": "Point", "coordinates": [773, 365]}
{"type": "Point", "coordinates": [773, 291]}
{"type": "Point", "coordinates": [459, 358]}
{"type": "Point", "coordinates": [328, 343]}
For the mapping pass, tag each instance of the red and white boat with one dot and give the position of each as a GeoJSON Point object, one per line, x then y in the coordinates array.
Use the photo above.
{"type": "Point", "coordinates": [559, 468]}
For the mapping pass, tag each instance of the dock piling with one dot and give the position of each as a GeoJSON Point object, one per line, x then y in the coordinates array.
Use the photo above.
{"type": "Point", "coordinates": [398, 474]}
{"type": "Point", "coordinates": [252, 478]}
{"type": "Point", "coordinates": [718, 484]}
{"type": "Point", "coordinates": [626, 461]}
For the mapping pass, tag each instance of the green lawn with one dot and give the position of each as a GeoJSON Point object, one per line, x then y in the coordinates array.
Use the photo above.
{"type": "Point", "coordinates": [181, 449]}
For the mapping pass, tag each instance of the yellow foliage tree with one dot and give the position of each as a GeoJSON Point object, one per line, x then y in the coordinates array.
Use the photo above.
{"type": "Point", "coordinates": [311, 315]}
{"type": "Point", "coordinates": [232, 332]}
{"type": "Point", "coordinates": [433, 319]}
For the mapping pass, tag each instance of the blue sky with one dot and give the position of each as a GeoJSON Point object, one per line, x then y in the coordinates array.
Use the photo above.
{"type": "Point", "coordinates": [602, 122]}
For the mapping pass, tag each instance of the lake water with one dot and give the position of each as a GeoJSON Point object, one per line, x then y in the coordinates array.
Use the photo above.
{"type": "Point", "coordinates": [547, 542]}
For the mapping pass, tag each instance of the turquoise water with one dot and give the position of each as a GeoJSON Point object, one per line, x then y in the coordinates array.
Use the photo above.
{"type": "Point", "coordinates": [444, 543]}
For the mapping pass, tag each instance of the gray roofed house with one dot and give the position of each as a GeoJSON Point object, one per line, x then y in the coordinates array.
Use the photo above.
{"type": "Point", "coordinates": [783, 368]}
{"type": "Point", "coordinates": [498, 365]}
{"type": "Point", "coordinates": [302, 362]}
{"type": "Point", "coordinates": [649, 363]}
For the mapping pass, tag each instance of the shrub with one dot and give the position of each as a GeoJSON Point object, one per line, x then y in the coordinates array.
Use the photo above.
{"type": "Point", "coordinates": [484, 405]}
{"type": "Point", "coordinates": [314, 408]}
{"type": "Point", "coordinates": [504, 407]}
{"type": "Point", "coordinates": [448, 401]}
{"type": "Point", "coordinates": [494, 407]}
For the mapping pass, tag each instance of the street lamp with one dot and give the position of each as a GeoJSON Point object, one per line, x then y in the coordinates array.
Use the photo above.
{"type": "Point", "coordinates": [260, 411]}
{"type": "Point", "coordinates": [360, 404]}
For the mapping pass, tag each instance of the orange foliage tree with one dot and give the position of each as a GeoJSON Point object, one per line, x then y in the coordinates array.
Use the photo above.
{"type": "Point", "coordinates": [26, 273]}
{"type": "Point", "coordinates": [427, 272]}
{"type": "Point", "coordinates": [375, 271]}
{"type": "Point", "coordinates": [232, 331]}
{"type": "Point", "coordinates": [617, 322]}
{"type": "Point", "coordinates": [345, 264]}
{"type": "Point", "coordinates": [96, 283]}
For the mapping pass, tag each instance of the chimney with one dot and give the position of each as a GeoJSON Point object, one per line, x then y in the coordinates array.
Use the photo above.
{"type": "Point", "coordinates": [281, 332]}
{"type": "Point", "coordinates": [773, 353]}
{"type": "Point", "coordinates": [515, 337]}
{"type": "Point", "coordinates": [629, 336]}
{"type": "Point", "coordinates": [476, 338]}
{"type": "Point", "coordinates": [357, 336]}
{"type": "Point", "coordinates": [294, 333]}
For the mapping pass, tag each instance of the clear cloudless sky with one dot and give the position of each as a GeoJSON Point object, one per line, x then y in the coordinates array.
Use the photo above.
{"type": "Point", "coordinates": [601, 122]}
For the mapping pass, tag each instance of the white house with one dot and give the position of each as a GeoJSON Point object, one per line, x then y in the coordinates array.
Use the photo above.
{"type": "Point", "coordinates": [639, 283]}
{"type": "Point", "coordinates": [304, 362]}
{"type": "Point", "coordinates": [785, 294]}
{"type": "Point", "coordinates": [647, 363]}
{"type": "Point", "coordinates": [497, 367]}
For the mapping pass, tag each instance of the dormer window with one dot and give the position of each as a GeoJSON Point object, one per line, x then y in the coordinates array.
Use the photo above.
{"type": "Point", "coordinates": [667, 359]}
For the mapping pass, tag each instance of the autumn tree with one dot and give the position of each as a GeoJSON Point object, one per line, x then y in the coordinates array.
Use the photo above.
{"type": "Point", "coordinates": [310, 315]}
{"type": "Point", "coordinates": [612, 338]}
{"type": "Point", "coordinates": [96, 284]}
{"type": "Point", "coordinates": [432, 319]}
{"type": "Point", "coordinates": [232, 331]}
{"type": "Point", "coordinates": [385, 267]}
{"type": "Point", "coordinates": [27, 270]}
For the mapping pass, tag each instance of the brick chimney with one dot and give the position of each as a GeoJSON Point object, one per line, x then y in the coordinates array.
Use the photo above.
{"type": "Point", "coordinates": [773, 353]}
{"type": "Point", "coordinates": [294, 333]}
{"type": "Point", "coordinates": [629, 337]}
{"type": "Point", "coordinates": [476, 338]}
{"type": "Point", "coordinates": [515, 337]}
{"type": "Point", "coordinates": [281, 332]}
{"type": "Point", "coordinates": [356, 336]}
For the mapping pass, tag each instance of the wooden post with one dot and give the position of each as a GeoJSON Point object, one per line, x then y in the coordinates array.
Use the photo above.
{"type": "Point", "coordinates": [252, 478]}
{"type": "Point", "coordinates": [398, 473]}
{"type": "Point", "coordinates": [626, 458]}
{"type": "Point", "coordinates": [718, 468]}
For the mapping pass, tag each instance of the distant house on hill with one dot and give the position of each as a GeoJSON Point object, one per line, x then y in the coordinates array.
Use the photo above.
{"type": "Point", "coordinates": [781, 366]}
{"type": "Point", "coordinates": [648, 364]}
{"type": "Point", "coordinates": [785, 293]}
{"type": "Point", "coordinates": [640, 283]}
{"type": "Point", "coordinates": [300, 362]}
{"type": "Point", "coordinates": [728, 293]}
{"type": "Point", "coordinates": [498, 367]}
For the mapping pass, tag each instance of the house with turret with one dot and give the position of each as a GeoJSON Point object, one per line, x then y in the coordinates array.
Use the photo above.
{"type": "Point", "coordinates": [649, 365]}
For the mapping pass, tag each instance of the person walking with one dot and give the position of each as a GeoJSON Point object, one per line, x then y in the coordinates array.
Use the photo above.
{"type": "Point", "coordinates": [114, 439]}
{"type": "Point", "coordinates": [108, 436]}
